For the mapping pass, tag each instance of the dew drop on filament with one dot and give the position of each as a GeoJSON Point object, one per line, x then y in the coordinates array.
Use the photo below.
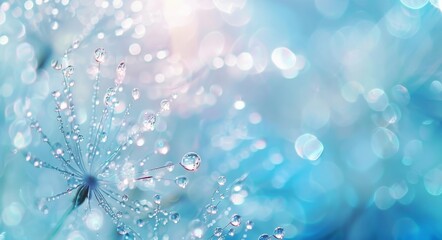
{"type": "Point", "coordinates": [100, 55]}
{"type": "Point", "coordinates": [190, 161]}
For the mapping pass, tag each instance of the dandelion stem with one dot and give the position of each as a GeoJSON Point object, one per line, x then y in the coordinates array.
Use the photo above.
{"type": "Point", "coordinates": [61, 222]}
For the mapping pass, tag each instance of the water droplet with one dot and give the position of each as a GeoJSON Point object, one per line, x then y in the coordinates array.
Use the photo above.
{"type": "Point", "coordinates": [56, 65]}
{"type": "Point", "coordinates": [231, 232]}
{"type": "Point", "coordinates": [218, 232]}
{"type": "Point", "coordinates": [235, 220]}
{"type": "Point", "coordinates": [44, 209]}
{"type": "Point", "coordinates": [221, 180]}
{"type": "Point", "coordinates": [249, 225]}
{"type": "Point", "coordinates": [279, 233]}
{"type": "Point", "coordinates": [384, 143]}
{"type": "Point", "coordinates": [125, 198]}
{"type": "Point", "coordinates": [174, 217]}
{"type": "Point", "coordinates": [264, 237]}
{"type": "Point", "coordinates": [109, 97]}
{"type": "Point", "coordinates": [165, 105]}
{"type": "Point", "coordinates": [283, 58]}
{"type": "Point", "coordinates": [157, 199]}
{"type": "Point", "coordinates": [135, 94]}
{"type": "Point", "coordinates": [121, 72]}
{"type": "Point", "coordinates": [308, 147]}
{"type": "Point", "coordinates": [75, 44]}
{"type": "Point", "coordinates": [149, 121]}
{"type": "Point", "coordinates": [162, 146]}
{"type": "Point", "coordinates": [100, 55]}
{"type": "Point", "coordinates": [68, 71]}
{"type": "Point", "coordinates": [170, 166]}
{"type": "Point", "coordinates": [140, 222]}
{"type": "Point", "coordinates": [181, 181]}
{"type": "Point", "coordinates": [191, 161]}
{"type": "Point", "coordinates": [212, 209]}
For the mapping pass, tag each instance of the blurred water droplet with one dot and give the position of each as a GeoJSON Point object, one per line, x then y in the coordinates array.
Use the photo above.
{"type": "Point", "coordinates": [283, 58]}
{"type": "Point", "coordinates": [190, 161]}
{"type": "Point", "coordinates": [384, 143]}
{"type": "Point", "coordinates": [400, 94]}
{"type": "Point", "coordinates": [377, 99]}
{"type": "Point", "coordinates": [308, 147]}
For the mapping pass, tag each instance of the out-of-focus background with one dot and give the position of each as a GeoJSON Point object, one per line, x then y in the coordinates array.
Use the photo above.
{"type": "Point", "coordinates": [327, 111]}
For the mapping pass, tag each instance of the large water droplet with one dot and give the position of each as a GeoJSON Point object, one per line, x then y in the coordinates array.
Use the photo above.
{"type": "Point", "coordinates": [190, 161]}
{"type": "Point", "coordinates": [308, 147]}
{"type": "Point", "coordinates": [384, 143]}
{"type": "Point", "coordinates": [100, 55]}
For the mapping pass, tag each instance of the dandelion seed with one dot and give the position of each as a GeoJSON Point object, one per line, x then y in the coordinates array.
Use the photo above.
{"type": "Point", "coordinates": [97, 170]}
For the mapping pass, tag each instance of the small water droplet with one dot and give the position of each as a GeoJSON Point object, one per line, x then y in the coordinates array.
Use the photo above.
{"type": "Point", "coordinates": [135, 94]}
{"type": "Point", "coordinates": [140, 222]}
{"type": "Point", "coordinates": [100, 55]}
{"type": "Point", "coordinates": [174, 217]}
{"type": "Point", "coordinates": [212, 209]}
{"type": "Point", "coordinates": [278, 233]}
{"type": "Point", "coordinates": [264, 237]}
{"type": "Point", "coordinates": [157, 199]}
{"type": "Point", "coordinates": [68, 71]}
{"type": "Point", "coordinates": [249, 225]}
{"type": "Point", "coordinates": [235, 220]}
{"type": "Point", "coordinates": [56, 65]}
{"type": "Point", "coordinates": [75, 44]}
{"type": "Point", "coordinates": [308, 147]}
{"type": "Point", "coordinates": [165, 105]}
{"type": "Point", "coordinates": [125, 198]}
{"type": "Point", "coordinates": [218, 232]}
{"type": "Point", "coordinates": [190, 161]}
{"type": "Point", "coordinates": [149, 121]}
{"type": "Point", "coordinates": [221, 180]}
{"type": "Point", "coordinates": [121, 72]}
{"type": "Point", "coordinates": [181, 181]}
